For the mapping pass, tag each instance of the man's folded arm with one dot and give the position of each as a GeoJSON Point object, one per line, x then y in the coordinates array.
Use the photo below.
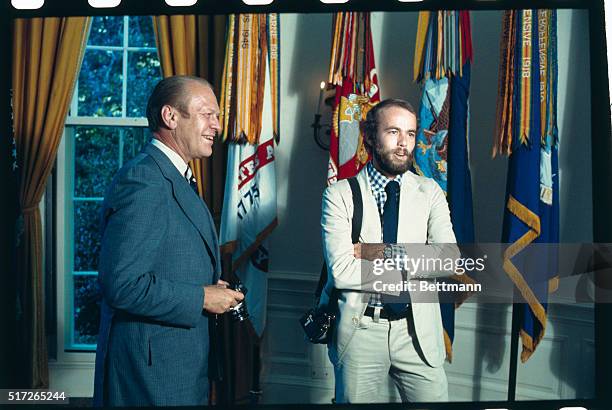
{"type": "Point", "coordinates": [346, 271]}
{"type": "Point", "coordinates": [441, 242]}
{"type": "Point", "coordinates": [135, 226]}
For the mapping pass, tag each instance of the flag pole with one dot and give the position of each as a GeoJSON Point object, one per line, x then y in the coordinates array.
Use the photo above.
{"type": "Point", "coordinates": [514, 338]}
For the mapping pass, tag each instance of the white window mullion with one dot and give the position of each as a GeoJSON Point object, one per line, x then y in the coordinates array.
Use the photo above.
{"type": "Point", "coordinates": [121, 48]}
{"type": "Point", "coordinates": [88, 198]}
{"type": "Point", "coordinates": [149, 49]}
{"type": "Point", "coordinates": [121, 142]}
{"type": "Point", "coordinates": [69, 285]}
{"type": "Point", "coordinates": [74, 104]}
{"type": "Point", "coordinates": [108, 121]}
{"type": "Point", "coordinates": [125, 67]}
{"type": "Point", "coordinates": [106, 48]}
{"type": "Point", "coordinates": [62, 213]}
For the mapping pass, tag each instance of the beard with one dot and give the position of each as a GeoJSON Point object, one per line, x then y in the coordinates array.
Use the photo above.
{"type": "Point", "coordinates": [389, 163]}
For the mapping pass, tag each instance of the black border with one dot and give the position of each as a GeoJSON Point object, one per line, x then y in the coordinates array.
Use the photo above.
{"type": "Point", "coordinates": [152, 7]}
{"type": "Point", "coordinates": [8, 213]}
{"type": "Point", "coordinates": [600, 137]}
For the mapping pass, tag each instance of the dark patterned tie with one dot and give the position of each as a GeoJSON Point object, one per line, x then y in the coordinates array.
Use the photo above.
{"type": "Point", "coordinates": [192, 181]}
{"type": "Point", "coordinates": [391, 212]}
{"type": "Point", "coordinates": [390, 220]}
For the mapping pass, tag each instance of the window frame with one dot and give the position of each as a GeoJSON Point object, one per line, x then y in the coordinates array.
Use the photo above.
{"type": "Point", "coordinates": [126, 49]}
{"type": "Point", "coordinates": [67, 351]}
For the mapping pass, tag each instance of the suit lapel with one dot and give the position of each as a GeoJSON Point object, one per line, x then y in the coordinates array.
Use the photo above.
{"type": "Point", "coordinates": [409, 201]}
{"type": "Point", "coordinates": [191, 204]}
{"type": "Point", "coordinates": [371, 231]}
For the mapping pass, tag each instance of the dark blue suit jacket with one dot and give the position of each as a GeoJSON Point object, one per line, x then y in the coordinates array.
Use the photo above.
{"type": "Point", "coordinates": [159, 248]}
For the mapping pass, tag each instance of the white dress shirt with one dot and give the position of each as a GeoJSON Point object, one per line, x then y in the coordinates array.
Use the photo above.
{"type": "Point", "coordinates": [175, 158]}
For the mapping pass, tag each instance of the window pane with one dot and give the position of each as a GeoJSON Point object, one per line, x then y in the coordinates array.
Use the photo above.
{"type": "Point", "coordinates": [143, 73]}
{"type": "Point", "coordinates": [87, 298]}
{"type": "Point", "coordinates": [86, 235]}
{"type": "Point", "coordinates": [141, 32]}
{"type": "Point", "coordinates": [106, 31]}
{"type": "Point", "coordinates": [135, 140]}
{"type": "Point", "coordinates": [100, 83]}
{"type": "Point", "coordinates": [96, 151]}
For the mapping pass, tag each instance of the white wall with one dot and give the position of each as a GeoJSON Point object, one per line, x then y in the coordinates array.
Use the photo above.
{"type": "Point", "coordinates": [295, 371]}
{"type": "Point", "coordinates": [301, 165]}
{"type": "Point", "coordinates": [574, 110]}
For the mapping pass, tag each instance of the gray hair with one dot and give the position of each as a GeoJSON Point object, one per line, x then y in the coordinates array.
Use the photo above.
{"type": "Point", "coordinates": [171, 91]}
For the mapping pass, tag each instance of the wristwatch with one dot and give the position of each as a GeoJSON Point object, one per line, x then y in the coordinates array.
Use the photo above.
{"type": "Point", "coordinates": [388, 251]}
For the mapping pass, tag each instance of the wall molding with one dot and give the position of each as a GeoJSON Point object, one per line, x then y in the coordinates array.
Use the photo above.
{"type": "Point", "coordinates": [302, 370]}
{"type": "Point", "coordinates": [74, 378]}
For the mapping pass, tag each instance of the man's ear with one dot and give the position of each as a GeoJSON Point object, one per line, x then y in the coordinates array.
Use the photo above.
{"type": "Point", "coordinates": [367, 141]}
{"type": "Point", "coordinates": [169, 117]}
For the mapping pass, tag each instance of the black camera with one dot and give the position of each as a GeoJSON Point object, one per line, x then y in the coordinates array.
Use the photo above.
{"type": "Point", "coordinates": [239, 312]}
{"type": "Point", "coordinates": [317, 324]}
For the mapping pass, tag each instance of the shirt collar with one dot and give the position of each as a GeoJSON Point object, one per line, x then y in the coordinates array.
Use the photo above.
{"type": "Point", "coordinates": [377, 180]}
{"type": "Point", "coordinates": [174, 157]}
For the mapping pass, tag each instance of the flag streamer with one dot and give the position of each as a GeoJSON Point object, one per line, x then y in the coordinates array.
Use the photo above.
{"type": "Point", "coordinates": [352, 73]}
{"type": "Point", "coordinates": [252, 43]}
{"type": "Point", "coordinates": [443, 44]}
{"type": "Point", "coordinates": [526, 115]}
{"type": "Point", "coordinates": [528, 37]}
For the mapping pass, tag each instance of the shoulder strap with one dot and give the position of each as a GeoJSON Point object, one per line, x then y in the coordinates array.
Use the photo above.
{"type": "Point", "coordinates": [356, 223]}
{"type": "Point", "coordinates": [357, 209]}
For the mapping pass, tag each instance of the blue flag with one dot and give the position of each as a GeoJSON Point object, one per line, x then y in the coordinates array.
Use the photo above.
{"type": "Point", "coordinates": [459, 185]}
{"type": "Point", "coordinates": [441, 150]}
{"type": "Point", "coordinates": [459, 182]}
{"type": "Point", "coordinates": [531, 214]}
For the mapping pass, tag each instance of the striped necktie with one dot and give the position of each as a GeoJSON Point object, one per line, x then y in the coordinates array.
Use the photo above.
{"type": "Point", "coordinates": [191, 180]}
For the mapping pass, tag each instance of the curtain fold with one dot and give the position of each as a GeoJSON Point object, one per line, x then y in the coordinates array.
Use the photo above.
{"type": "Point", "coordinates": [47, 53]}
{"type": "Point", "coordinates": [195, 45]}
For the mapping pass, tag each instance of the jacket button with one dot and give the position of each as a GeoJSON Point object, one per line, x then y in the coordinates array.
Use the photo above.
{"type": "Point", "coordinates": [355, 320]}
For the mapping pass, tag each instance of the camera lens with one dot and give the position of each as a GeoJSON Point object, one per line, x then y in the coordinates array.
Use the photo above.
{"type": "Point", "coordinates": [239, 312]}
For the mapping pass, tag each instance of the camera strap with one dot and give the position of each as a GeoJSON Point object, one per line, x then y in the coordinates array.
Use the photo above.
{"type": "Point", "coordinates": [355, 231]}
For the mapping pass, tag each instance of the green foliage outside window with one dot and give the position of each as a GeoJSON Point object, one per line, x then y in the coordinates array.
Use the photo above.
{"type": "Point", "coordinates": [109, 87]}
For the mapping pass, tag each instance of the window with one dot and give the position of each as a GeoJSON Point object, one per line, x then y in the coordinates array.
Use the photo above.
{"type": "Point", "coordinates": [106, 127]}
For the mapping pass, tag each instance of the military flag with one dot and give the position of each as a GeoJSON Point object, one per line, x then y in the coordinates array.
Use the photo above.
{"type": "Point", "coordinates": [352, 73]}
{"type": "Point", "coordinates": [527, 132]}
{"type": "Point", "coordinates": [250, 120]}
{"type": "Point", "coordinates": [443, 55]}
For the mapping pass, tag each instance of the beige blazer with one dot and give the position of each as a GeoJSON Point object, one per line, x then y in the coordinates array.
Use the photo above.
{"type": "Point", "coordinates": [424, 217]}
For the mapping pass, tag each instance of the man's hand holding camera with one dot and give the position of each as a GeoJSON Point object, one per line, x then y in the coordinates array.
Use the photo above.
{"type": "Point", "coordinates": [219, 298]}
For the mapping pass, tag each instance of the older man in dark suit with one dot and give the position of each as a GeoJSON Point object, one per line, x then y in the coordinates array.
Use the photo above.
{"type": "Point", "coordinates": [159, 261]}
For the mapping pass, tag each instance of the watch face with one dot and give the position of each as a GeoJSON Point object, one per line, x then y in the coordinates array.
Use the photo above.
{"type": "Point", "coordinates": [388, 252]}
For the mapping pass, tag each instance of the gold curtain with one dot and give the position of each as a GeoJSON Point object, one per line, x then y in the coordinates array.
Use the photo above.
{"type": "Point", "coordinates": [195, 45]}
{"type": "Point", "coordinates": [47, 54]}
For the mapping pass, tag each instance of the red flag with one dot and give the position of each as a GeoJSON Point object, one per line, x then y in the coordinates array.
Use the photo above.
{"type": "Point", "coordinates": [354, 76]}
